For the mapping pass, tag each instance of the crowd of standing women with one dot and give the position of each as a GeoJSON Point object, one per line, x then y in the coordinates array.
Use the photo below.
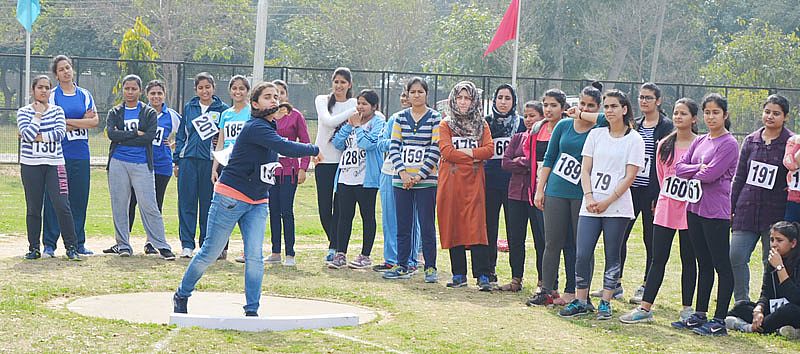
{"type": "Point", "coordinates": [571, 174]}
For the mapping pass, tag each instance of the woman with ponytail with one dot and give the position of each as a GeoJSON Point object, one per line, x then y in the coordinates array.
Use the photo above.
{"type": "Point", "coordinates": [241, 196]}
{"type": "Point", "coordinates": [670, 216]}
{"type": "Point", "coordinates": [778, 309]}
{"type": "Point", "coordinates": [709, 165]}
{"type": "Point", "coordinates": [503, 122]}
{"type": "Point", "coordinates": [558, 192]}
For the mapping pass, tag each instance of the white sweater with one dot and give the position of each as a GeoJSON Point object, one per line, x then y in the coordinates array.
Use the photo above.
{"type": "Point", "coordinates": [327, 123]}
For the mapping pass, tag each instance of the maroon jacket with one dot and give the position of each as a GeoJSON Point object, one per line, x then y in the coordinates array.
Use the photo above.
{"type": "Point", "coordinates": [514, 161]}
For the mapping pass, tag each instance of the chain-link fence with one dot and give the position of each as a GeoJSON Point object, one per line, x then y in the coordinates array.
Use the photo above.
{"type": "Point", "coordinates": [100, 75]}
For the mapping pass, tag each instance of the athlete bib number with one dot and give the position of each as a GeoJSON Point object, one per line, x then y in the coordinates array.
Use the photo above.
{"type": "Point", "coordinates": [762, 174]}
{"type": "Point", "coordinates": [352, 157]}
{"type": "Point", "coordinates": [794, 181]}
{"type": "Point", "coordinates": [682, 190]}
{"type": "Point", "coordinates": [775, 304]}
{"type": "Point", "coordinates": [78, 134]}
{"type": "Point", "coordinates": [568, 168]}
{"type": "Point", "coordinates": [159, 135]}
{"type": "Point", "coordinates": [645, 171]}
{"type": "Point", "coordinates": [41, 148]}
{"type": "Point", "coordinates": [602, 182]}
{"type": "Point", "coordinates": [132, 125]}
{"type": "Point", "coordinates": [464, 143]}
{"type": "Point", "coordinates": [205, 126]}
{"type": "Point", "coordinates": [413, 156]}
{"type": "Point", "coordinates": [500, 146]}
{"type": "Point", "coordinates": [232, 130]}
{"type": "Point", "coordinates": [268, 172]}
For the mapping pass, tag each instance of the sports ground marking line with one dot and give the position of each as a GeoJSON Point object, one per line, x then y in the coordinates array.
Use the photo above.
{"type": "Point", "coordinates": [358, 340]}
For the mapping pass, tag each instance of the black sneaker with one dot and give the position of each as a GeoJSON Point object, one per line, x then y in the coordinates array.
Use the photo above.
{"type": "Point", "coordinates": [223, 256]}
{"type": "Point", "coordinates": [33, 254]}
{"type": "Point", "coordinates": [251, 314]}
{"type": "Point", "coordinates": [694, 321]}
{"type": "Point", "coordinates": [112, 250]}
{"type": "Point", "coordinates": [149, 249]}
{"type": "Point", "coordinates": [125, 253]}
{"type": "Point", "coordinates": [166, 254]}
{"type": "Point", "coordinates": [383, 267]}
{"type": "Point", "coordinates": [72, 254]}
{"type": "Point", "coordinates": [180, 304]}
{"type": "Point", "coordinates": [574, 308]}
{"type": "Point", "coordinates": [484, 284]}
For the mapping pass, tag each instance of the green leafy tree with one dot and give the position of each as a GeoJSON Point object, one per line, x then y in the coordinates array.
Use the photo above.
{"type": "Point", "coordinates": [136, 46]}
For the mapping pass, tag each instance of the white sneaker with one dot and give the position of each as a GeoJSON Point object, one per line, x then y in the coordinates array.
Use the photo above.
{"type": "Point", "coordinates": [240, 259]}
{"type": "Point", "coordinates": [289, 262]}
{"type": "Point", "coordinates": [186, 253]}
{"type": "Point", "coordinates": [637, 296]}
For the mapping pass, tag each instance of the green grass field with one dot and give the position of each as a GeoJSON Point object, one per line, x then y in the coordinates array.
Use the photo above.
{"type": "Point", "coordinates": [416, 317]}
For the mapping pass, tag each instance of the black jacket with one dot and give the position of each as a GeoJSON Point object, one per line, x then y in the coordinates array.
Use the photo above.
{"type": "Point", "coordinates": [663, 128]}
{"type": "Point", "coordinates": [771, 287]}
{"type": "Point", "coordinates": [115, 128]}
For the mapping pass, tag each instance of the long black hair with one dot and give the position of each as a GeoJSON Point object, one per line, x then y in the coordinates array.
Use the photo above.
{"type": "Point", "coordinates": [667, 151]}
{"type": "Point", "coordinates": [348, 76]}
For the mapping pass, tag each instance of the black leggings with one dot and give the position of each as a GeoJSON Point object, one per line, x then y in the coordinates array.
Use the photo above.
{"type": "Point", "coordinates": [662, 245]}
{"type": "Point", "coordinates": [324, 175]}
{"type": "Point", "coordinates": [480, 261]}
{"type": "Point", "coordinates": [494, 200]}
{"type": "Point", "coordinates": [347, 197]}
{"type": "Point", "coordinates": [35, 180]}
{"type": "Point", "coordinates": [642, 203]}
{"type": "Point", "coordinates": [520, 214]}
{"type": "Point", "coordinates": [786, 315]}
{"type": "Point", "coordinates": [161, 183]}
{"type": "Point", "coordinates": [711, 242]}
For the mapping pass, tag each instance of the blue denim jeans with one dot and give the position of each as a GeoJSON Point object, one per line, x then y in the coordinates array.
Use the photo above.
{"type": "Point", "coordinates": [223, 215]}
{"type": "Point", "coordinates": [742, 245]}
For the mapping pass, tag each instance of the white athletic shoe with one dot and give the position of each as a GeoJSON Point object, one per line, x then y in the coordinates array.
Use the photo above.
{"type": "Point", "coordinates": [186, 253]}
{"type": "Point", "coordinates": [289, 261]}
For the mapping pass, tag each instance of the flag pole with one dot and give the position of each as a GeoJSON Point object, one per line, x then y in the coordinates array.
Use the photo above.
{"type": "Point", "coordinates": [261, 42]}
{"type": "Point", "coordinates": [28, 53]}
{"type": "Point", "coordinates": [516, 47]}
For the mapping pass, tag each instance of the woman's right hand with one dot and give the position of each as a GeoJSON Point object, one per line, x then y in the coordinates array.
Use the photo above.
{"type": "Point", "coordinates": [573, 112]}
{"type": "Point", "coordinates": [538, 201]}
{"type": "Point", "coordinates": [758, 319]}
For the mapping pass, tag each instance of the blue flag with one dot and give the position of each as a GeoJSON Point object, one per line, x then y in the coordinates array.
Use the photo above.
{"type": "Point", "coordinates": [27, 12]}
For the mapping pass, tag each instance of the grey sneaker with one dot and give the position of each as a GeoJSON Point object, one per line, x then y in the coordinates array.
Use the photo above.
{"type": "Point", "coordinates": [789, 332]}
{"type": "Point", "coordinates": [186, 253]}
{"type": "Point", "coordinates": [361, 262]}
{"type": "Point", "coordinates": [272, 259]}
{"type": "Point", "coordinates": [240, 258]}
{"type": "Point", "coordinates": [618, 292]}
{"type": "Point", "coordinates": [637, 296]}
{"type": "Point", "coordinates": [339, 261]}
{"type": "Point", "coordinates": [431, 276]}
{"type": "Point", "coordinates": [736, 323]}
{"type": "Point", "coordinates": [637, 315]}
{"type": "Point", "coordinates": [289, 262]}
{"type": "Point", "coordinates": [685, 313]}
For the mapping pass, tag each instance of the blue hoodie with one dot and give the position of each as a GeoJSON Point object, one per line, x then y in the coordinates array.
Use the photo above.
{"type": "Point", "coordinates": [367, 140]}
{"type": "Point", "coordinates": [187, 140]}
{"type": "Point", "coordinates": [257, 146]}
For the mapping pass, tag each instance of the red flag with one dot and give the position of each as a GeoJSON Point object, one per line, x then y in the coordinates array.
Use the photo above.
{"type": "Point", "coordinates": [507, 29]}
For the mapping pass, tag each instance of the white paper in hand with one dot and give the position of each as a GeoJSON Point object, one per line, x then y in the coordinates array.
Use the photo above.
{"type": "Point", "coordinates": [222, 156]}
